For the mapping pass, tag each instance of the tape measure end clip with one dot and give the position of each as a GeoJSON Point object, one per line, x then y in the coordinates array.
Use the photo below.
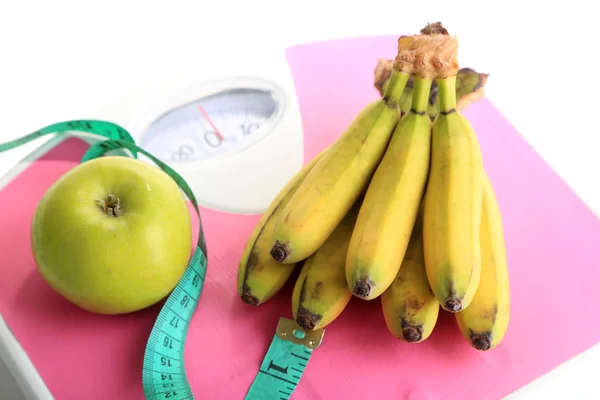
{"type": "Point", "coordinates": [288, 329]}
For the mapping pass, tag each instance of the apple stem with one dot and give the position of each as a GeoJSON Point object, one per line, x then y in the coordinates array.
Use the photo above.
{"type": "Point", "coordinates": [111, 205]}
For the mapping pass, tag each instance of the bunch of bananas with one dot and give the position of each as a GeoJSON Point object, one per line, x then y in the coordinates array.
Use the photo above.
{"type": "Point", "coordinates": [398, 207]}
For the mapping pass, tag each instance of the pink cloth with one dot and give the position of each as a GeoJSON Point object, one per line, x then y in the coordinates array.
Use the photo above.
{"type": "Point", "coordinates": [550, 238]}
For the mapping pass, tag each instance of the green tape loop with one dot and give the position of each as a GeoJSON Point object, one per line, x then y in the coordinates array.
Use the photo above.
{"type": "Point", "coordinates": [102, 128]}
{"type": "Point", "coordinates": [163, 374]}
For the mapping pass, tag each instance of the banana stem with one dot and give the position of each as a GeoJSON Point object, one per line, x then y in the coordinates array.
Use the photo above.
{"type": "Point", "coordinates": [422, 88]}
{"type": "Point", "coordinates": [395, 88]}
{"type": "Point", "coordinates": [447, 93]}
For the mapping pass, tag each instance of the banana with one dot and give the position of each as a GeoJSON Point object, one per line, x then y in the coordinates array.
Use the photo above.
{"type": "Point", "coordinates": [485, 321]}
{"type": "Point", "coordinates": [338, 179]}
{"type": "Point", "coordinates": [452, 211]}
{"type": "Point", "coordinates": [320, 293]}
{"type": "Point", "coordinates": [260, 277]}
{"type": "Point", "coordinates": [409, 307]}
{"type": "Point", "coordinates": [392, 200]}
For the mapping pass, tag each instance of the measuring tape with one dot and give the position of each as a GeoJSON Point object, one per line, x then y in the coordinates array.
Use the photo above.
{"type": "Point", "coordinates": [163, 374]}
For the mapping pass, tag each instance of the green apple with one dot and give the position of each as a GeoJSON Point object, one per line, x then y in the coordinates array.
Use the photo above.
{"type": "Point", "coordinates": [112, 235]}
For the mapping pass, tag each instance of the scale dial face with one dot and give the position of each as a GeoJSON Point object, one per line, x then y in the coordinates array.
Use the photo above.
{"type": "Point", "coordinates": [213, 126]}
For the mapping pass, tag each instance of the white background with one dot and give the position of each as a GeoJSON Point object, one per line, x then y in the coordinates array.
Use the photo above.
{"type": "Point", "coordinates": [62, 59]}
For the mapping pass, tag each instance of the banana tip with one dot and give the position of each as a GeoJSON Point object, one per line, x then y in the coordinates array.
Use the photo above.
{"type": "Point", "coordinates": [280, 252]}
{"type": "Point", "coordinates": [306, 322]}
{"type": "Point", "coordinates": [481, 341]}
{"type": "Point", "coordinates": [452, 304]}
{"type": "Point", "coordinates": [249, 299]}
{"type": "Point", "coordinates": [362, 288]}
{"type": "Point", "coordinates": [412, 333]}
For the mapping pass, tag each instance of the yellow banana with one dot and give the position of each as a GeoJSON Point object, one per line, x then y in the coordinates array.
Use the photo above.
{"type": "Point", "coordinates": [321, 294]}
{"type": "Point", "coordinates": [260, 277]}
{"type": "Point", "coordinates": [338, 179]}
{"type": "Point", "coordinates": [409, 307]}
{"type": "Point", "coordinates": [485, 321]}
{"type": "Point", "coordinates": [452, 212]}
{"type": "Point", "coordinates": [392, 201]}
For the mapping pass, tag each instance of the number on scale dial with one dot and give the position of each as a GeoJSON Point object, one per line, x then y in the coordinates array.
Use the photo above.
{"type": "Point", "coordinates": [220, 124]}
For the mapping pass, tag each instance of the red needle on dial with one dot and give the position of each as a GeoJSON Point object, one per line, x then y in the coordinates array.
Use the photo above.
{"type": "Point", "coordinates": [203, 111]}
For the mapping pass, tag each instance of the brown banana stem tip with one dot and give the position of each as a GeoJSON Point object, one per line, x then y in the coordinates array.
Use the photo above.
{"type": "Point", "coordinates": [431, 54]}
{"type": "Point", "coordinates": [249, 299]}
{"type": "Point", "coordinates": [306, 322]}
{"type": "Point", "coordinates": [482, 341]}
{"type": "Point", "coordinates": [411, 333]}
{"type": "Point", "coordinates": [362, 288]}
{"type": "Point", "coordinates": [280, 252]}
{"type": "Point", "coordinates": [452, 304]}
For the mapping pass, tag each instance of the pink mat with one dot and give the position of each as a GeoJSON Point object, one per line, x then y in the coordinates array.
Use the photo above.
{"type": "Point", "coordinates": [550, 238]}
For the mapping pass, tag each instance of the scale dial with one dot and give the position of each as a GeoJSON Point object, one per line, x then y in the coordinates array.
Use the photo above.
{"type": "Point", "coordinates": [257, 114]}
{"type": "Point", "coordinates": [219, 124]}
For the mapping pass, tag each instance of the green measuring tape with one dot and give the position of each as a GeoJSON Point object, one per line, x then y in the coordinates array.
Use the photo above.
{"type": "Point", "coordinates": [163, 375]}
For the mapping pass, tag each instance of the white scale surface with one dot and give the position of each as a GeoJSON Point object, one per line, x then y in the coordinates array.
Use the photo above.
{"type": "Point", "coordinates": [219, 132]}
{"type": "Point", "coordinates": [131, 63]}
